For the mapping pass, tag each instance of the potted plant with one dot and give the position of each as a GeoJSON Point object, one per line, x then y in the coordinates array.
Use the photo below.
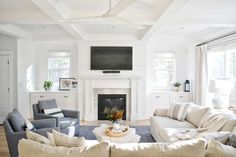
{"type": "Point", "coordinates": [176, 86]}
{"type": "Point", "coordinates": [115, 115]}
{"type": "Point", "coordinates": [47, 85]}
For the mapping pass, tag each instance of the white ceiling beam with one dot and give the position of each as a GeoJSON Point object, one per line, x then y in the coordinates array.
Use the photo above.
{"type": "Point", "coordinates": [223, 22]}
{"type": "Point", "coordinates": [14, 31]}
{"type": "Point", "coordinates": [56, 16]}
{"type": "Point", "coordinates": [167, 14]}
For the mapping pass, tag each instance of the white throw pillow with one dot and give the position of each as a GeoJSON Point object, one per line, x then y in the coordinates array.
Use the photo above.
{"type": "Point", "coordinates": [179, 111]}
{"type": "Point", "coordinates": [55, 112]}
{"type": "Point", "coordinates": [29, 125]}
{"type": "Point", "coordinates": [37, 138]}
{"type": "Point", "coordinates": [61, 139]}
{"type": "Point", "coordinates": [217, 149]}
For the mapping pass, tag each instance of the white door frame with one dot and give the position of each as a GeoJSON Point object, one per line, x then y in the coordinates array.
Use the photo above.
{"type": "Point", "coordinates": [10, 75]}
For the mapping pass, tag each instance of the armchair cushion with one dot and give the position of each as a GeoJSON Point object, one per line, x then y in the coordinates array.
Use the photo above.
{"type": "Point", "coordinates": [17, 121]}
{"type": "Point", "coordinates": [46, 104]}
{"type": "Point", "coordinates": [67, 122]}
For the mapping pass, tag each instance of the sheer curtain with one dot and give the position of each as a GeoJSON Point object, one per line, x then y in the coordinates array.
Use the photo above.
{"type": "Point", "coordinates": [201, 80]}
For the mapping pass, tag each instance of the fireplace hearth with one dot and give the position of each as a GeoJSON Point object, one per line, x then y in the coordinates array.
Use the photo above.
{"type": "Point", "coordinates": [111, 101]}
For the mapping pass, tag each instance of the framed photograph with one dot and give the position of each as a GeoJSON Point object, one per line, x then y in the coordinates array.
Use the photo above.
{"type": "Point", "coordinates": [66, 83]}
{"type": "Point", "coordinates": [74, 84]}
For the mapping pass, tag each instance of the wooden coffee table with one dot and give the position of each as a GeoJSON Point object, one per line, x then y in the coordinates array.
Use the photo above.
{"type": "Point", "coordinates": [131, 137]}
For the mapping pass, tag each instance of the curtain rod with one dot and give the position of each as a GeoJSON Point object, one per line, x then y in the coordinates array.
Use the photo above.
{"type": "Point", "coordinates": [217, 38]}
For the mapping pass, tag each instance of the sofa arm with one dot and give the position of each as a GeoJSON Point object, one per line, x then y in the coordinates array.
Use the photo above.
{"type": "Point", "coordinates": [161, 112]}
{"type": "Point", "coordinates": [71, 113]}
{"type": "Point", "coordinates": [45, 123]}
{"type": "Point", "coordinates": [44, 116]}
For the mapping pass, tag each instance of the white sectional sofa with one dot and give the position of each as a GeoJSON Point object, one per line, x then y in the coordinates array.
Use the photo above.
{"type": "Point", "coordinates": [163, 128]}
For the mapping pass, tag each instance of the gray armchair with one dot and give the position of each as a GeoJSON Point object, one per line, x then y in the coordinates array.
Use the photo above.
{"type": "Point", "coordinates": [14, 126]}
{"type": "Point", "coordinates": [69, 124]}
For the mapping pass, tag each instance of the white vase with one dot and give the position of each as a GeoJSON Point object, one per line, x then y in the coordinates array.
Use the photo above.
{"type": "Point", "coordinates": [176, 89]}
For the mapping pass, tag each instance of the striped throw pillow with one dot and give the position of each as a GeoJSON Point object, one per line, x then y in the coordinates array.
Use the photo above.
{"type": "Point", "coordinates": [179, 111]}
{"type": "Point", "coordinates": [55, 112]}
{"type": "Point", "coordinates": [61, 139]}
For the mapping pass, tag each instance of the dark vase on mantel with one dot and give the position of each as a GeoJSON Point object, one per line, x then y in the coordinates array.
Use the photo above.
{"type": "Point", "coordinates": [187, 86]}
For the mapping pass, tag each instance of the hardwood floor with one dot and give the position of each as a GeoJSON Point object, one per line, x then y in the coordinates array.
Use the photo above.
{"type": "Point", "coordinates": [4, 152]}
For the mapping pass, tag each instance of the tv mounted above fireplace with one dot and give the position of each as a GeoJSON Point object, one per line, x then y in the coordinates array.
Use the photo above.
{"type": "Point", "coordinates": [111, 58]}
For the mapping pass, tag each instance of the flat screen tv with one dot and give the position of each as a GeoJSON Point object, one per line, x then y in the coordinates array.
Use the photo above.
{"type": "Point", "coordinates": [111, 58]}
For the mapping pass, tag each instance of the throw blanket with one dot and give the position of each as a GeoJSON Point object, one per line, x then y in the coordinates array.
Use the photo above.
{"type": "Point", "coordinates": [212, 121]}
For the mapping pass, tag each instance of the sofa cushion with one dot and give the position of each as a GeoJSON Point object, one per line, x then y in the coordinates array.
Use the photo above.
{"type": "Point", "coordinates": [217, 149]}
{"type": "Point", "coordinates": [165, 122]}
{"type": "Point", "coordinates": [17, 121]}
{"type": "Point", "coordinates": [67, 122]}
{"type": "Point", "coordinates": [232, 140]}
{"type": "Point", "coordinates": [169, 134]}
{"type": "Point", "coordinates": [231, 122]}
{"type": "Point", "coordinates": [192, 148]}
{"type": "Point", "coordinates": [195, 113]}
{"type": "Point", "coordinates": [46, 104]}
{"type": "Point", "coordinates": [210, 119]}
{"type": "Point", "coordinates": [28, 148]}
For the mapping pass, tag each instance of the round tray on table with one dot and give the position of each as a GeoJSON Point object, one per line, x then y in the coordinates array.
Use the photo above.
{"type": "Point", "coordinates": [108, 131]}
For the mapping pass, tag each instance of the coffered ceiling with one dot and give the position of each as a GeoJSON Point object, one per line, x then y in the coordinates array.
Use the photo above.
{"type": "Point", "coordinates": [118, 19]}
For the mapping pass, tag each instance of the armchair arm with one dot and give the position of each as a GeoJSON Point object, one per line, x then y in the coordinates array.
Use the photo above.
{"type": "Point", "coordinates": [44, 116]}
{"type": "Point", "coordinates": [71, 113]}
{"type": "Point", "coordinates": [45, 123]}
{"type": "Point", "coordinates": [44, 131]}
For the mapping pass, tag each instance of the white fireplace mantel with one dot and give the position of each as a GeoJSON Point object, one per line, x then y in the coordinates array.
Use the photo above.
{"type": "Point", "coordinates": [133, 85]}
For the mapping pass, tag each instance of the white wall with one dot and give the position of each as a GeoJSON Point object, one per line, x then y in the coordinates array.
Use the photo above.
{"type": "Point", "coordinates": [181, 54]}
{"type": "Point", "coordinates": [43, 48]}
{"type": "Point", "coordinates": [10, 43]}
{"type": "Point", "coordinates": [26, 69]}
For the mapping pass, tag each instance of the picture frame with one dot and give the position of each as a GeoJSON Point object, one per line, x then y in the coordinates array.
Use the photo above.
{"type": "Point", "coordinates": [65, 84]}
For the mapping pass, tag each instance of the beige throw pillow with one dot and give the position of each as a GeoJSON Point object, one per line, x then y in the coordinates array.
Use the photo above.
{"type": "Point", "coordinates": [50, 137]}
{"type": "Point", "coordinates": [29, 148]}
{"type": "Point", "coordinates": [191, 148]}
{"type": "Point", "coordinates": [161, 112]}
{"type": "Point", "coordinates": [37, 138]}
{"type": "Point", "coordinates": [217, 149]}
{"type": "Point", "coordinates": [195, 113]}
{"type": "Point", "coordinates": [61, 139]}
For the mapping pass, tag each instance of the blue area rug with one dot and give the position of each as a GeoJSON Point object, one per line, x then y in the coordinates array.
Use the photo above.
{"type": "Point", "coordinates": [143, 131]}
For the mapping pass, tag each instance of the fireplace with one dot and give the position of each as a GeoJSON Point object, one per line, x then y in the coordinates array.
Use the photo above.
{"type": "Point", "coordinates": [111, 101]}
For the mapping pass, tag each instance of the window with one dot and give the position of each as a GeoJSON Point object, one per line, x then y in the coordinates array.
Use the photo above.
{"type": "Point", "coordinates": [58, 67]}
{"type": "Point", "coordinates": [222, 76]}
{"type": "Point", "coordinates": [222, 65]}
{"type": "Point", "coordinates": [164, 70]}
